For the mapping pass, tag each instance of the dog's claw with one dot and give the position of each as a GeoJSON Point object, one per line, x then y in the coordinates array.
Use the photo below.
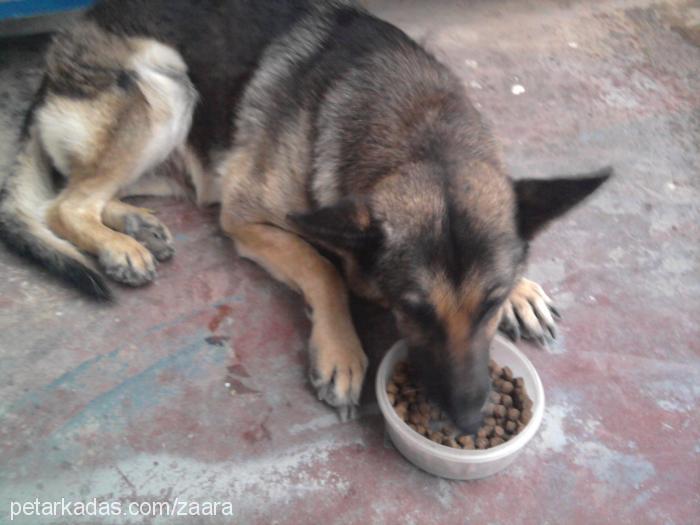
{"type": "Point", "coordinates": [509, 323]}
{"type": "Point", "coordinates": [513, 332]}
{"type": "Point", "coordinates": [347, 413]}
{"type": "Point", "coordinates": [554, 311]}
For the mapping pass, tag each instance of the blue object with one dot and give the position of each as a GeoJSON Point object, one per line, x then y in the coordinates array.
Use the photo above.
{"type": "Point", "coordinates": [18, 9]}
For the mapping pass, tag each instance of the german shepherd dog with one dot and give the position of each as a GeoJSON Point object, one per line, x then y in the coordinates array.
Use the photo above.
{"type": "Point", "coordinates": [319, 129]}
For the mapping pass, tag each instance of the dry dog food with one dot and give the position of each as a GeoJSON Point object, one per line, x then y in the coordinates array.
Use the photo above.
{"type": "Point", "coordinates": [508, 411]}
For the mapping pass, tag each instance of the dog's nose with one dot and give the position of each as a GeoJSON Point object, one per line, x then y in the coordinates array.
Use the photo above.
{"type": "Point", "coordinates": [468, 414]}
{"type": "Point", "coordinates": [467, 401]}
{"type": "Point", "coordinates": [469, 422]}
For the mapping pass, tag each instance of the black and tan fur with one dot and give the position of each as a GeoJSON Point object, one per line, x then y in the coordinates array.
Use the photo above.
{"type": "Point", "coordinates": [317, 126]}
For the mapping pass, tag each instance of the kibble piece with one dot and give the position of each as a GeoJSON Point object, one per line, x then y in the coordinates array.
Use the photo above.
{"type": "Point", "coordinates": [506, 387]}
{"type": "Point", "coordinates": [436, 436]}
{"type": "Point", "coordinates": [495, 441]}
{"type": "Point", "coordinates": [485, 431]}
{"type": "Point", "coordinates": [466, 441]}
{"type": "Point", "coordinates": [401, 410]}
{"type": "Point", "coordinates": [454, 444]}
{"type": "Point", "coordinates": [424, 409]}
{"type": "Point", "coordinates": [519, 382]}
{"type": "Point", "coordinates": [519, 427]}
{"type": "Point", "coordinates": [499, 411]}
{"type": "Point", "coordinates": [498, 431]}
{"type": "Point", "coordinates": [507, 373]}
{"type": "Point", "coordinates": [495, 397]}
{"type": "Point", "coordinates": [392, 398]}
{"type": "Point", "coordinates": [526, 416]}
{"type": "Point", "coordinates": [391, 388]}
{"type": "Point", "coordinates": [489, 421]}
{"type": "Point", "coordinates": [448, 430]}
{"type": "Point", "coordinates": [506, 401]}
{"type": "Point", "coordinates": [513, 414]}
{"type": "Point", "coordinates": [482, 443]}
{"type": "Point", "coordinates": [510, 426]}
{"type": "Point", "coordinates": [449, 442]}
{"type": "Point", "coordinates": [422, 430]}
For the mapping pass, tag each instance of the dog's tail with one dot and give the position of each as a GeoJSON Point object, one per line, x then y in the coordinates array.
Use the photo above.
{"type": "Point", "coordinates": [24, 197]}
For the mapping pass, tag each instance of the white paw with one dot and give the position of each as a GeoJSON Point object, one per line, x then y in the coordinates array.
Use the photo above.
{"type": "Point", "coordinates": [529, 312]}
{"type": "Point", "coordinates": [337, 367]}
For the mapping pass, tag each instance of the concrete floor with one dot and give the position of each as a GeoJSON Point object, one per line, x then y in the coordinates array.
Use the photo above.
{"type": "Point", "coordinates": [130, 403]}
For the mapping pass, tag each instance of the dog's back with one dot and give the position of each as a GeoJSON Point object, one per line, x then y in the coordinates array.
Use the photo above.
{"type": "Point", "coordinates": [220, 42]}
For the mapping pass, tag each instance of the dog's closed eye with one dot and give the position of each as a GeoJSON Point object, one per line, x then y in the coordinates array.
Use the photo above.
{"type": "Point", "coordinates": [416, 307]}
{"type": "Point", "coordinates": [491, 305]}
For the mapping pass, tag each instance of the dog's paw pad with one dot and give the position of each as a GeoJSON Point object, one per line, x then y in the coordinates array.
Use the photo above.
{"type": "Point", "coordinates": [150, 232]}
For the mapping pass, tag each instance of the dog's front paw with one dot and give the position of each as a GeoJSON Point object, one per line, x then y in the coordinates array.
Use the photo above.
{"type": "Point", "coordinates": [337, 367]}
{"type": "Point", "coordinates": [528, 312]}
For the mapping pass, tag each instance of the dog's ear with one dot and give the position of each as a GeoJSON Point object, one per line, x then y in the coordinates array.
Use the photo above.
{"type": "Point", "coordinates": [346, 225]}
{"type": "Point", "coordinates": [541, 200]}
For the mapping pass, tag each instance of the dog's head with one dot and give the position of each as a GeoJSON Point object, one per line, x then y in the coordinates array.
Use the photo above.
{"type": "Point", "coordinates": [443, 252]}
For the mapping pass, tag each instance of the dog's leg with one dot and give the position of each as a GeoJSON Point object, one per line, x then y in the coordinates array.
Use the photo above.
{"type": "Point", "coordinates": [77, 217]}
{"type": "Point", "coordinates": [140, 224]}
{"type": "Point", "coordinates": [95, 176]}
{"type": "Point", "coordinates": [119, 134]}
{"type": "Point", "coordinates": [337, 362]}
{"type": "Point", "coordinates": [529, 312]}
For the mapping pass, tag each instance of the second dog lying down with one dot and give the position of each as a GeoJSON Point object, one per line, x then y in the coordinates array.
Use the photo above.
{"type": "Point", "coordinates": [314, 124]}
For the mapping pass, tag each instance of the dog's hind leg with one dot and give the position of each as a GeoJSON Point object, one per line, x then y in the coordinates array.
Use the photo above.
{"type": "Point", "coordinates": [337, 361]}
{"type": "Point", "coordinates": [122, 134]}
{"type": "Point", "coordinates": [77, 215]}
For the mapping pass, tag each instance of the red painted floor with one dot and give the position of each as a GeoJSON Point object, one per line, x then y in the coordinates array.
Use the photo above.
{"type": "Point", "coordinates": [195, 388]}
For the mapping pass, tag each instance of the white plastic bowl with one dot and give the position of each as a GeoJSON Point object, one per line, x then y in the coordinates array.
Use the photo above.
{"type": "Point", "coordinates": [454, 463]}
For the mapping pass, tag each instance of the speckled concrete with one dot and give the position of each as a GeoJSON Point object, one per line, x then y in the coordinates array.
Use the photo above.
{"type": "Point", "coordinates": [131, 403]}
